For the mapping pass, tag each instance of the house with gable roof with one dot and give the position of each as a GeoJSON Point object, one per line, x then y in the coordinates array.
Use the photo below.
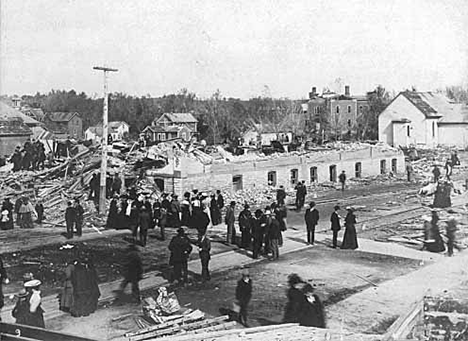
{"type": "Point", "coordinates": [171, 126]}
{"type": "Point", "coordinates": [64, 124]}
{"type": "Point", "coordinates": [425, 119]}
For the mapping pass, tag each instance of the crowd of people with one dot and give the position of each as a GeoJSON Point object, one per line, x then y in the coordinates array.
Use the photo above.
{"type": "Point", "coordinates": [139, 212]}
{"type": "Point", "coordinates": [29, 157]}
{"type": "Point", "coordinates": [24, 211]}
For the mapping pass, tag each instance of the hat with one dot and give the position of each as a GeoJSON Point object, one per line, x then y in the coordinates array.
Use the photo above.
{"type": "Point", "coordinates": [22, 293]}
{"type": "Point", "coordinates": [312, 204]}
{"type": "Point", "coordinates": [180, 231]}
{"type": "Point", "coordinates": [32, 284]}
{"type": "Point", "coordinates": [267, 212]}
{"type": "Point", "coordinates": [336, 208]}
{"type": "Point", "coordinates": [204, 195]}
{"type": "Point", "coordinates": [349, 208]}
{"type": "Point", "coordinates": [233, 203]}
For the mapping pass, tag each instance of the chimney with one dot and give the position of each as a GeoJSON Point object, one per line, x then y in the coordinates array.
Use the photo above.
{"type": "Point", "coordinates": [313, 93]}
{"type": "Point", "coordinates": [346, 90]}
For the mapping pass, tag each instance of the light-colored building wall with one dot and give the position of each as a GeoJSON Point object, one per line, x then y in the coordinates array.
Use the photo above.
{"type": "Point", "coordinates": [398, 109]}
{"type": "Point", "coordinates": [255, 173]}
{"type": "Point", "coordinates": [453, 135]}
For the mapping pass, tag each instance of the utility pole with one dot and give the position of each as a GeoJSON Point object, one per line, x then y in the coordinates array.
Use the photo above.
{"type": "Point", "coordinates": [105, 112]}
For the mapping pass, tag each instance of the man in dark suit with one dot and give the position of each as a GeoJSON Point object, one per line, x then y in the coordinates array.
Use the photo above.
{"type": "Point", "coordinates": [243, 296]}
{"type": "Point", "coordinates": [311, 218]}
{"type": "Point", "coordinates": [335, 224]}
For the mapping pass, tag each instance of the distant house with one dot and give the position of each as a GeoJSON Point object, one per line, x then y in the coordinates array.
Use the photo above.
{"type": "Point", "coordinates": [424, 119]}
{"type": "Point", "coordinates": [117, 130]}
{"type": "Point", "coordinates": [171, 126]}
{"type": "Point", "coordinates": [263, 134]}
{"type": "Point", "coordinates": [64, 124]}
{"type": "Point", "coordinates": [93, 133]}
{"type": "Point", "coordinates": [157, 133]}
{"type": "Point", "coordinates": [35, 113]}
{"type": "Point", "coordinates": [13, 130]}
{"type": "Point", "coordinates": [177, 119]}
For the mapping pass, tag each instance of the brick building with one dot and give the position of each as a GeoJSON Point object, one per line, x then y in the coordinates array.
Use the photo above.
{"type": "Point", "coordinates": [184, 174]}
{"type": "Point", "coordinates": [333, 115]}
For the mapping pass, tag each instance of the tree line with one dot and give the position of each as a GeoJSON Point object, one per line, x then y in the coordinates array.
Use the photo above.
{"type": "Point", "coordinates": [220, 119]}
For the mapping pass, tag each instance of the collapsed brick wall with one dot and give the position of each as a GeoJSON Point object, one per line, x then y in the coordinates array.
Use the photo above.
{"type": "Point", "coordinates": [255, 173]}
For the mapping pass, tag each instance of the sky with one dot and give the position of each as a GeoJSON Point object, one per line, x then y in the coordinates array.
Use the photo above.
{"type": "Point", "coordinates": [250, 48]}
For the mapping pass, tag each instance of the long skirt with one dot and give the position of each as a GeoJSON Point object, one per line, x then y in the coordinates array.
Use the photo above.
{"type": "Point", "coordinates": [66, 296]}
{"type": "Point", "coordinates": [26, 221]}
{"type": "Point", "coordinates": [350, 238]}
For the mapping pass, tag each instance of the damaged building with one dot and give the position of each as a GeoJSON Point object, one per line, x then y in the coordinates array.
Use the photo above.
{"type": "Point", "coordinates": [185, 172]}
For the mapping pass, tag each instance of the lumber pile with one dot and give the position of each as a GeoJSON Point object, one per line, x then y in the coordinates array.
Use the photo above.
{"type": "Point", "coordinates": [188, 323]}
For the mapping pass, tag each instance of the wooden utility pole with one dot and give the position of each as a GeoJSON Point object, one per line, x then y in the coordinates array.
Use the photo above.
{"type": "Point", "coordinates": [102, 193]}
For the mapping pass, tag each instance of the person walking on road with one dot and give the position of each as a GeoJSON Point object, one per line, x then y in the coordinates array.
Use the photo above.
{"type": "Point", "coordinates": [70, 219]}
{"type": "Point", "coordinates": [180, 251]}
{"type": "Point", "coordinates": [79, 218]}
{"type": "Point", "coordinates": [133, 272]}
{"type": "Point", "coordinates": [295, 297]}
{"type": "Point", "coordinates": [229, 219]}
{"type": "Point", "coordinates": [311, 218]}
{"type": "Point", "coordinates": [280, 195]}
{"type": "Point", "coordinates": [335, 225]}
{"type": "Point", "coordinates": [274, 233]}
{"type": "Point", "coordinates": [243, 296]}
{"type": "Point", "coordinates": [311, 311]}
{"type": "Point", "coordinates": [409, 171]}
{"type": "Point", "coordinates": [342, 179]}
{"type": "Point", "coordinates": [204, 249]}
{"type": "Point", "coordinates": [257, 233]}
{"type": "Point", "coordinates": [350, 236]}
{"type": "Point", "coordinates": [144, 223]}
{"type": "Point", "coordinates": [245, 226]}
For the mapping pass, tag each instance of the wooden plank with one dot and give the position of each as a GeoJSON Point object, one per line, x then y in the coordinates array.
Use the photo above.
{"type": "Point", "coordinates": [404, 323]}
{"type": "Point", "coordinates": [167, 324]}
{"type": "Point", "coordinates": [175, 329]}
{"type": "Point", "coordinates": [234, 333]}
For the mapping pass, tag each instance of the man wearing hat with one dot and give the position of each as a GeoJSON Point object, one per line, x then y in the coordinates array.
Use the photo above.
{"type": "Point", "coordinates": [133, 272]}
{"type": "Point", "coordinates": [36, 314]}
{"type": "Point", "coordinates": [335, 224]}
{"type": "Point", "coordinates": [180, 248]}
{"type": "Point", "coordinates": [21, 310]}
{"type": "Point", "coordinates": [245, 225]}
{"type": "Point", "coordinates": [311, 217]}
{"type": "Point", "coordinates": [229, 219]}
{"type": "Point", "coordinates": [243, 296]}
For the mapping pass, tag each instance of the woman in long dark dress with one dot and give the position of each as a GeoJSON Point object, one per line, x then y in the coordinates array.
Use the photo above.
{"type": "Point", "coordinates": [350, 236]}
{"type": "Point", "coordinates": [292, 311]}
{"type": "Point", "coordinates": [311, 310]}
{"type": "Point", "coordinates": [113, 217]}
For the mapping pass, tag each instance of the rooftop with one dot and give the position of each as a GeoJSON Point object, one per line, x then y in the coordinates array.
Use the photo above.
{"type": "Point", "coordinates": [179, 117]}
{"type": "Point", "coordinates": [432, 105]}
{"type": "Point", "coordinates": [61, 116]}
{"type": "Point", "coordinates": [7, 111]}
